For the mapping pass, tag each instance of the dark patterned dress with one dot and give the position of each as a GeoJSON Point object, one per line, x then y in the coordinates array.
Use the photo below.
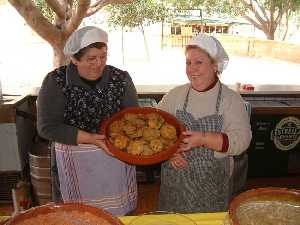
{"type": "Point", "coordinates": [86, 173]}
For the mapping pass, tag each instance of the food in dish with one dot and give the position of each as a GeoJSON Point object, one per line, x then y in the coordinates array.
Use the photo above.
{"type": "Point", "coordinates": [280, 206]}
{"type": "Point", "coordinates": [155, 120]}
{"type": "Point", "coordinates": [116, 128]}
{"type": "Point", "coordinates": [121, 141]}
{"type": "Point", "coordinates": [142, 134]}
{"type": "Point", "coordinates": [168, 131]}
{"type": "Point", "coordinates": [73, 217]}
{"type": "Point", "coordinates": [150, 133]}
{"type": "Point", "coordinates": [268, 212]}
{"type": "Point", "coordinates": [156, 145]}
{"type": "Point", "coordinates": [136, 147]}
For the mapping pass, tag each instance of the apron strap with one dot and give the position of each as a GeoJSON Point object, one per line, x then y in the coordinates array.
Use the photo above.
{"type": "Point", "coordinates": [219, 99]}
{"type": "Point", "coordinates": [217, 104]}
{"type": "Point", "coordinates": [186, 99]}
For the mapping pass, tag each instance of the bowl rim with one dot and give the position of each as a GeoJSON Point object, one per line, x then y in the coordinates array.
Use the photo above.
{"type": "Point", "coordinates": [143, 160]}
{"type": "Point", "coordinates": [68, 206]}
{"type": "Point", "coordinates": [247, 195]}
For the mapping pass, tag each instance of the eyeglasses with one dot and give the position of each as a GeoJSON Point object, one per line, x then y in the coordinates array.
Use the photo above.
{"type": "Point", "coordinates": [95, 59]}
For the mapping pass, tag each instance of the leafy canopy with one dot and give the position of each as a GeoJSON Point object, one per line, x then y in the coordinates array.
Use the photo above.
{"type": "Point", "coordinates": [137, 13]}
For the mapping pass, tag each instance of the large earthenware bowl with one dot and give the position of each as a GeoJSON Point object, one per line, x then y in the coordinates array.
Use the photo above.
{"type": "Point", "coordinates": [140, 159]}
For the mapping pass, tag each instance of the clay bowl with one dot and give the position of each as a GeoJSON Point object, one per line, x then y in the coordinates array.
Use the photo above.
{"type": "Point", "coordinates": [137, 159]}
{"type": "Point", "coordinates": [266, 204]}
{"type": "Point", "coordinates": [66, 207]}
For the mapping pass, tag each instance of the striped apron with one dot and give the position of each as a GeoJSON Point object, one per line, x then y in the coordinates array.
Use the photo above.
{"type": "Point", "coordinates": [204, 185]}
{"type": "Point", "coordinates": [88, 175]}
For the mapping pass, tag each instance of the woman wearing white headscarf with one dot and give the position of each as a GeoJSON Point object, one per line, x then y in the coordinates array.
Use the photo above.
{"type": "Point", "coordinates": [72, 103]}
{"type": "Point", "coordinates": [197, 178]}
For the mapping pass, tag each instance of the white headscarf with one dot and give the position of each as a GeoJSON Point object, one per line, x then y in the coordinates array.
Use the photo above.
{"type": "Point", "coordinates": [213, 48]}
{"type": "Point", "coordinates": [83, 37]}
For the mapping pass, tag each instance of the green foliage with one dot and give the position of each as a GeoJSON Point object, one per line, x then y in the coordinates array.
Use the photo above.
{"type": "Point", "coordinates": [45, 10]}
{"type": "Point", "coordinates": [280, 4]}
{"type": "Point", "coordinates": [210, 7]}
{"type": "Point", "coordinates": [138, 13]}
{"type": "Point", "coordinates": [189, 4]}
{"type": "Point", "coordinates": [224, 7]}
{"type": "Point", "coordinates": [231, 8]}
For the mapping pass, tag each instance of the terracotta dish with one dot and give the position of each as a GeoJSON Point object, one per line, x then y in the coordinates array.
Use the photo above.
{"type": "Point", "coordinates": [280, 206]}
{"type": "Point", "coordinates": [143, 159]}
{"type": "Point", "coordinates": [42, 212]}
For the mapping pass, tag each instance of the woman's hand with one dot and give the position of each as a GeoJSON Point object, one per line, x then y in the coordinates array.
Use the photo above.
{"type": "Point", "coordinates": [192, 139]}
{"type": "Point", "coordinates": [99, 140]}
{"type": "Point", "coordinates": [84, 137]}
{"type": "Point", "coordinates": [178, 161]}
{"type": "Point", "coordinates": [211, 140]}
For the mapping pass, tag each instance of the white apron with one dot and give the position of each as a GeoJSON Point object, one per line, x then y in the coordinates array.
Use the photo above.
{"type": "Point", "coordinates": [88, 175]}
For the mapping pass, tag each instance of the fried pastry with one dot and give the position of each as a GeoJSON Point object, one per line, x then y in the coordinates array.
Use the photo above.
{"type": "Point", "coordinates": [129, 128]}
{"type": "Point", "coordinates": [139, 123]}
{"type": "Point", "coordinates": [137, 134]}
{"type": "Point", "coordinates": [167, 142]}
{"type": "Point", "coordinates": [155, 120]}
{"type": "Point", "coordinates": [168, 131]}
{"type": "Point", "coordinates": [130, 117]}
{"type": "Point", "coordinates": [116, 128]}
{"type": "Point", "coordinates": [147, 150]}
{"type": "Point", "coordinates": [136, 147]}
{"type": "Point", "coordinates": [156, 145]}
{"type": "Point", "coordinates": [121, 141]}
{"type": "Point", "coordinates": [150, 133]}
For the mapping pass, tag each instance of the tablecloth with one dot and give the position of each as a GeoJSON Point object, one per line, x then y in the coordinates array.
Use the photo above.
{"type": "Point", "coordinates": [199, 218]}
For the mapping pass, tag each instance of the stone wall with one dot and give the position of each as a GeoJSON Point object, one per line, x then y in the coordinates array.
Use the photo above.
{"type": "Point", "coordinates": [246, 46]}
{"type": "Point", "coordinates": [261, 48]}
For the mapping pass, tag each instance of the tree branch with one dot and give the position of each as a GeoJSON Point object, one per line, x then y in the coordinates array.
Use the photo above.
{"type": "Point", "coordinates": [76, 18]}
{"type": "Point", "coordinates": [272, 11]}
{"type": "Point", "coordinates": [259, 26]}
{"type": "Point", "coordinates": [286, 26]}
{"type": "Point", "coordinates": [285, 10]}
{"type": "Point", "coordinates": [279, 17]}
{"type": "Point", "coordinates": [100, 4]}
{"type": "Point", "coordinates": [36, 20]}
{"type": "Point", "coordinates": [56, 7]}
{"type": "Point", "coordinates": [96, 7]}
{"type": "Point", "coordinates": [251, 7]}
{"type": "Point", "coordinates": [262, 9]}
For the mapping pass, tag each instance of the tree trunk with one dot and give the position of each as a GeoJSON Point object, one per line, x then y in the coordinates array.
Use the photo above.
{"type": "Point", "coordinates": [269, 32]}
{"type": "Point", "coordinates": [145, 42]}
{"type": "Point", "coordinates": [123, 52]}
{"type": "Point", "coordinates": [270, 35]}
{"type": "Point", "coordinates": [286, 26]}
{"type": "Point", "coordinates": [59, 57]}
{"type": "Point", "coordinates": [162, 36]}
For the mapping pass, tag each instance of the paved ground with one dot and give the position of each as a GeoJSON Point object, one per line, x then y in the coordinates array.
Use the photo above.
{"type": "Point", "coordinates": [25, 59]}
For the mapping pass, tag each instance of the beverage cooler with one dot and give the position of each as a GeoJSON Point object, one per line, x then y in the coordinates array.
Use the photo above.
{"type": "Point", "coordinates": [275, 147]}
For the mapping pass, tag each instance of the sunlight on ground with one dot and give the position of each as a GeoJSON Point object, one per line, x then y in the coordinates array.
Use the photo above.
{"type": "Point", "coordinates": [25, 59]}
